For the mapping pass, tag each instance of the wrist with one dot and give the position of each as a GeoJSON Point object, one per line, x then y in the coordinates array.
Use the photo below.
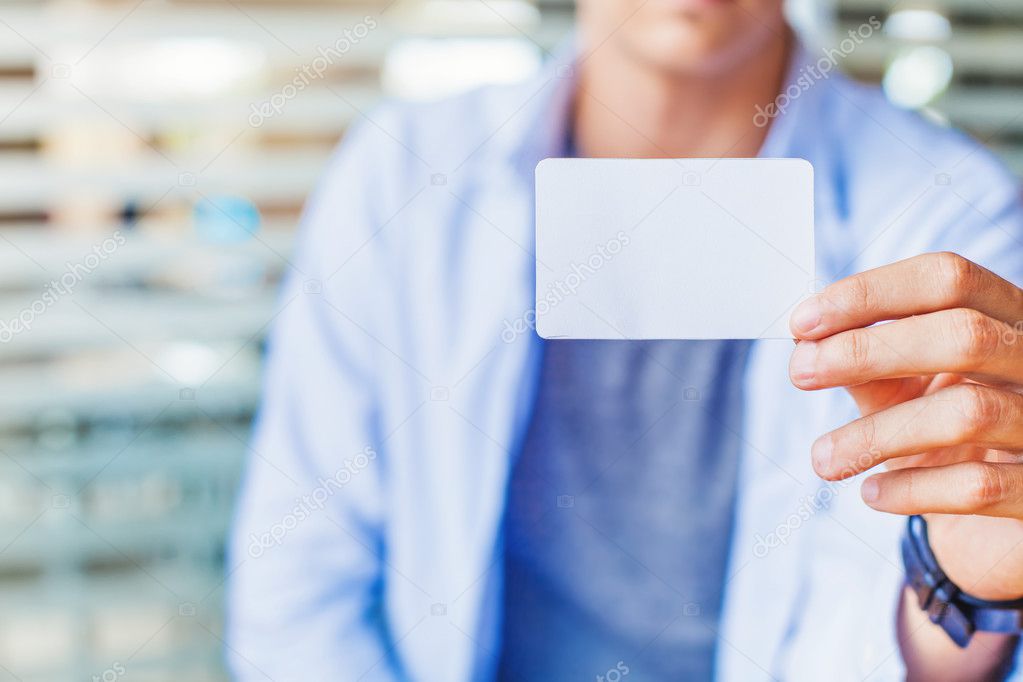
{"type": "Point", "coordinates": [956, 544]}
{"type": "Point", "coordinates": [931, 656]}
{"type": "Point", "coordinates": [959, 613]}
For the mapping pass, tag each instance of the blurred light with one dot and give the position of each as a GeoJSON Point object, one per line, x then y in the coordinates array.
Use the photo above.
{"type": "Point", "coordinates": [917, 76]}
{"type": "Point", "coordinates": [450, 13]}
{"type": "Point", "coordinates": [190, 363]}
{"type": "Point", "coordinates": [918, 24]}
{"type": "Point", "coordinates": [938, 118]}
{"type": "Point", "coordinates": [226, 219]}
{"type": "Point", "coordinates": [169, 68]}
{"type": "Point", "coordinates": [428, 69]}
{"type": "Point", "coordinates": [223, 221]}
{"type": "Point", "coordinates": [38, 639]}
{"type": "Point", "coordinates": [810, 18]}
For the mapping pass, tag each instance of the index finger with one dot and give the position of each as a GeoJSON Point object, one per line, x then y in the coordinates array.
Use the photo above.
{"type": "Point", "coordinates": [918, 285]}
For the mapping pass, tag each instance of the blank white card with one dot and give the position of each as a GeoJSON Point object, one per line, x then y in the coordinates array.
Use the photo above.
{"type": "Point", "coordinates": [672, 248]}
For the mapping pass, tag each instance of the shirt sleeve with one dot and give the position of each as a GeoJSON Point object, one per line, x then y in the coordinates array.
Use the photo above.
{"type": "Point", "coordinates": [305, 560]}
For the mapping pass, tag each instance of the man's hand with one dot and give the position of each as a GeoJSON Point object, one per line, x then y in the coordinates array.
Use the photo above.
{"type": "Point", "coordinates": [940, 388]}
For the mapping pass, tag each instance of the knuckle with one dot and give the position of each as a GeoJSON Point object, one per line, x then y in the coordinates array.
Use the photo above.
{"type": "Point", "coordinates": [984, 485]}
{"type": "Point", "coordinates": [856, 294]}
{"type": "Point", "coordinates": [866, 437]}
{"type": "Point", "coordinates": [980, 408]}
{"type": "Point", "coordinates": [974, 335]}
{"type": "Point", "coordinates": [857, 350]}
{"type": "Point", "coordinates": [957, 276]}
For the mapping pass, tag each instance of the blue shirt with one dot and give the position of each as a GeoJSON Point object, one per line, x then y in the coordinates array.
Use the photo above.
{"type": "Point", "coordinates": [398, 392]}
{"type": "Point", "coordinates": [620, 511]}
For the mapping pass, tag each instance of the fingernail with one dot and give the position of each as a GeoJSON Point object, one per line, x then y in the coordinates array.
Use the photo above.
{"type": "Point", "coordinates": [807, 316]}
{"type": "Point", "coordinates": [802, 366]}
{"type": "Point", "coordinates": [820, 453]}
{"type": "Point", "coordinates": [870, 490]}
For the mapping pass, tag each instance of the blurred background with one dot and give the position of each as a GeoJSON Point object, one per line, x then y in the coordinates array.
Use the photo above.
{"type": "Point", "coordinates": [154, 158]}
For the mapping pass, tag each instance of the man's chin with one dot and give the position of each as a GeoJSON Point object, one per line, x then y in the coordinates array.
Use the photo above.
{"type": "Point", "coordinates": [687, 51]}
{"type": "Point", "coordinates": [705, 46]}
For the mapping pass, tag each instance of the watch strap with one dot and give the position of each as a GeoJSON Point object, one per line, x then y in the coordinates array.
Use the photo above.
{"type": "Point", "coordinates": [955, 611]}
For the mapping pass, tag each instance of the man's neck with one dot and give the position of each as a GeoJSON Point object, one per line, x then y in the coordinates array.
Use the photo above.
{"type": "Point", "coordinates": [624, 108]}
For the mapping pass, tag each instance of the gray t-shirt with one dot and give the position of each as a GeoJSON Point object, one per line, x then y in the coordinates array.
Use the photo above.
{"type": "Point", "coordinates": [620, 510]}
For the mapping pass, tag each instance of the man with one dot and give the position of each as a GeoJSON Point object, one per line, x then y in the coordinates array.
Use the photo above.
{"type": "Point", "coordinates": [431, 497]}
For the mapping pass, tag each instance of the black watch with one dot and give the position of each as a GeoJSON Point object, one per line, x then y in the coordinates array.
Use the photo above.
{"type": "Point", "coordinates": [958, 614]}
